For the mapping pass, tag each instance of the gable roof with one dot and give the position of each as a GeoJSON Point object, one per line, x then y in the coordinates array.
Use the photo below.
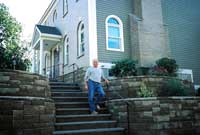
{"type": "Point", "coordinates": [48, 30]}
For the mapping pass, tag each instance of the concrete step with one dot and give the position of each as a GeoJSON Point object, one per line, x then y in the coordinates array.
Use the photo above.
{"type": "Point", "coordinates": [66, 93]}
{"type": "Point", "coordinates": [64, 87]}
{"type": "Point", "coordinates": [83, 117]}
{"type": "Point", "coordinates": [71, 104]}
{"type": "Point", "coordinates": [66, 90]}
{"type": "Point", "coordinates": [63, 83]}
{"type": "Point", "coordinates": [77, 111]}
{"type": "Point", "coordinates": [99, 131]}
{"type": "Point", "coordinates": [85, 125]}
{"type": "Point", "coordinates": [70, 99]}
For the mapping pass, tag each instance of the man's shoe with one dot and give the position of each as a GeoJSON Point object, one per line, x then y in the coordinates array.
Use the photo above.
{"type": "Point", "coordinates": [98, 107]}
{"type": "Point", "coordinates": [94, 113]}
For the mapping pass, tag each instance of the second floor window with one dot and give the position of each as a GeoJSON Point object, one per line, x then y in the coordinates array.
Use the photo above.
{"type": "Point", "coordinates": [81, 39]}
{"type": "Point", "coordinates": [65, 7]}
{"type": "Point", "coordinates": [55, 16]}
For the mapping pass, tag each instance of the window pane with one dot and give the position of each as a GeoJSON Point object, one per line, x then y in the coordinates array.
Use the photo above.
{"type": "Point", "coordinates": [113, 21]}
{"type": "Point", "coordinates": [114, 43]}
{"type": "Point", "coordinates": [82, 37]}
{"type": "Point", "coordinates": [82, 27]}
{"type": "Point", "coordinates": [82, 47]}
{"type": "Point", "coordinates": [113, 31]}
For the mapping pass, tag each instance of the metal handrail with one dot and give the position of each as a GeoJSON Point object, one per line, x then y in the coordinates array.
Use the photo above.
{"type": "Point", "coordinates": [74, 65]}
{"type": "Point", "coordinates": [127, 107]}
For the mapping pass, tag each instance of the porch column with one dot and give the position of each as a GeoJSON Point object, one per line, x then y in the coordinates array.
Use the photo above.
{"type": "Point", "coordinates": [33, 62]}
{"type": "Point", "coordinates": [41, 57]}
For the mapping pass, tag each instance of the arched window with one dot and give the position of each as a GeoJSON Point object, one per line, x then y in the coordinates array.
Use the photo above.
{"type": "Point", "coordinates": [114, 33]}
{"type": "Point", "coordinates": [65, 7]}
{"type": "Point", "coordinates": [81, 39]}
{"type": "Point", "coordinates": [55, 16]}
{"type": "Point", "coordinates": [66, 50]}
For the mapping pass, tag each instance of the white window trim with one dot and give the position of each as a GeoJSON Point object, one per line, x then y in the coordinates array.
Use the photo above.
{"type": "Point", "coordinates": [121, 33]}
{"type": "Point", "coordinates": [55, 15]}
{"type": "Point", "coordinates": [65, 7]}
{"type": "Point", "coordinates": [80, 53]}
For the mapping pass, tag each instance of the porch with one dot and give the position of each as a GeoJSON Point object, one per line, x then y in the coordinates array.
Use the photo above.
{"type": "Point", "coordinates": [46, 54]}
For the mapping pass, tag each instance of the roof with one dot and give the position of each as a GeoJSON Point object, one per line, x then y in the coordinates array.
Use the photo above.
{"type": "Point", "coordinates": [48, 30]}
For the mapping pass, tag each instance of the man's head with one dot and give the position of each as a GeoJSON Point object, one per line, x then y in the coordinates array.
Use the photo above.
{"type": "Point", "coordinates": [95, 63]}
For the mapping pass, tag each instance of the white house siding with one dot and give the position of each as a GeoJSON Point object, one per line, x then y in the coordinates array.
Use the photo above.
{"type": "Point", "coordinates": [77, 12]}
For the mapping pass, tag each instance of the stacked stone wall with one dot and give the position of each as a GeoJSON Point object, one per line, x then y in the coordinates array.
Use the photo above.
{"type": "Point", "coordinates": [158, 116]}
{"type": "Point", "coordinates": [26, 107]}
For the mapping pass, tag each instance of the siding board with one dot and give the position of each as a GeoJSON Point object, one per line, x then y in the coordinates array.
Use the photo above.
{"type": "Point", "coordinates": [120, 8]}
{"type": "Point", "coordinates": [183, 20]}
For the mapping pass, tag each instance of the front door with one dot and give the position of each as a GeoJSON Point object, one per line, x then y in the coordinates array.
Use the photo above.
{"type": "Point", "coordinates": [56, 63]}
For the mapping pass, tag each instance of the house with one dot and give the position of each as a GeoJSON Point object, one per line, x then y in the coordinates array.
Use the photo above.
{"type": "Point", "coordinates": [73, 32]}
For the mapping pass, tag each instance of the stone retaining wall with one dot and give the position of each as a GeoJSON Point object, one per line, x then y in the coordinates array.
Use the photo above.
{"type": "Point", "coordinates": [129, 86]}
{"type": "Point", "coordinates": [158, 116]}
{"type": "Point", "coordinates": [26, 107]}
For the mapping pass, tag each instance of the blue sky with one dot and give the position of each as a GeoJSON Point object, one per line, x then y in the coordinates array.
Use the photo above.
{"type": "Point", "coordinates": [27, 12]}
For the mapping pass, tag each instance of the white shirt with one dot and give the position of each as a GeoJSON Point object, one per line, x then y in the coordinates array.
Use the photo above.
{"type": "Point", "coordinates": [94, 74]}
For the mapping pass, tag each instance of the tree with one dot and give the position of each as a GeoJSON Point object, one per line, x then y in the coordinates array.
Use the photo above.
{"type": "Point", "coordinates": [10, 48]}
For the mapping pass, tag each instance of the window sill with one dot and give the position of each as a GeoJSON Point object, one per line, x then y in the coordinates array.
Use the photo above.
{"type": "Point", "coordinates": [65, 14]}
{"type": "Point", "coordinates": [116, 50]}
{"type": "Point", "coordinates": [78, 57]}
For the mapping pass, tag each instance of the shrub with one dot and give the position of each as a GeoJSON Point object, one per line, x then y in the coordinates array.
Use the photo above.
{"type": "Point", "coordinates": [159, 71]}
{"type": "Point", "coordinates": [174, 87]}
{"type": "Point", "coordinates": [144, 91]}
{"type": "Point", "coordinates": [198, 92]}
{"type": "Point", "coordinates": [167, 65]}
{"type": "Point", "coordinates": [124, 68]}
{"type": "Point", "coordinates": [143, 71]}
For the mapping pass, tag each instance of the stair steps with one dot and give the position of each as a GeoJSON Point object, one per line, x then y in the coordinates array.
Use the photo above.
{"type": "Point", "coordinates": [73, 116]}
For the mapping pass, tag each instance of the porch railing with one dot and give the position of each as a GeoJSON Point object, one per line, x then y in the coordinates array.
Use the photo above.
{"type": "Point", "coordinates": [58, 71]}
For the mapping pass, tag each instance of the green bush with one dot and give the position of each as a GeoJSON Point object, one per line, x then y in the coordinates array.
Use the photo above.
{"type": "Point", "coordinates": [144, 91]}
{"type": "Point", "coordinates": [143, 71]}
{"type": "Point", "coordinates": [174, 87]}
{"type": "Point", "coordinates": [123, 68]}
{"type": "Point", "coordinates": [198, 92]}
{"type": "Point", "coordinates": [168, 66]}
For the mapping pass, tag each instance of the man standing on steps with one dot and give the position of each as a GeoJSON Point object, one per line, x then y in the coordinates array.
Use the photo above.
{"type": "Point", "coordinates": [93, 78]}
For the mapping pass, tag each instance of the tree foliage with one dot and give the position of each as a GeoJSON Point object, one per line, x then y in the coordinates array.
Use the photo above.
{"type": "Point", "coordinates": [10, 46]}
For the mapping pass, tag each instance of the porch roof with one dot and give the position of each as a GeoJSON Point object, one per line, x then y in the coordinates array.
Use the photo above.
{"type": "Point", "coordinates": [48, 30]}
{"type": "Point", "coordinates": [50, 36]}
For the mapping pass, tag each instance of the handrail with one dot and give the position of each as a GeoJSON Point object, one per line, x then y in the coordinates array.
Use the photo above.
{"type": "Point", "coordinates": [61, 67]}
{"type": "Point", "coordinates": [74, 65]}
{"type": "Point", "coordinates": [127, 107]}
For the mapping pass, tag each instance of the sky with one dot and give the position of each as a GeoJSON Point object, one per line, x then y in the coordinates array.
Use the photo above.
{"type": "Point", "coordinates": [27, 12]}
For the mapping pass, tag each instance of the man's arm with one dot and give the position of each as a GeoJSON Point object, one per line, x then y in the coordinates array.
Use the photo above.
{"type": "Point", "coordinates": [86, 79]}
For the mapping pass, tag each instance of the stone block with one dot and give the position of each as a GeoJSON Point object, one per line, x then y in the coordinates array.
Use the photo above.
{"type": "Point", "coordinates": [4, 78]}
{"type": "Point", "coordinates": [162, 118]}
{"type": "Point", "coordinates": [9, 91]}
{"type": "Point", "coordinates": [18, 114]}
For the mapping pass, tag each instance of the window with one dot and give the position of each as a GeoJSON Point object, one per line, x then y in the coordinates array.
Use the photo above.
{"type": "Point", "coordinates": [65, 7]}
{"type": "Point", "coordinates": [114, 34]}
{"type": "Point", "coordinates": [81, 39]}
{"type": "Point", "coordinates": [66, 50]}
{"type": "Point", "coordinates": [54, 16]}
